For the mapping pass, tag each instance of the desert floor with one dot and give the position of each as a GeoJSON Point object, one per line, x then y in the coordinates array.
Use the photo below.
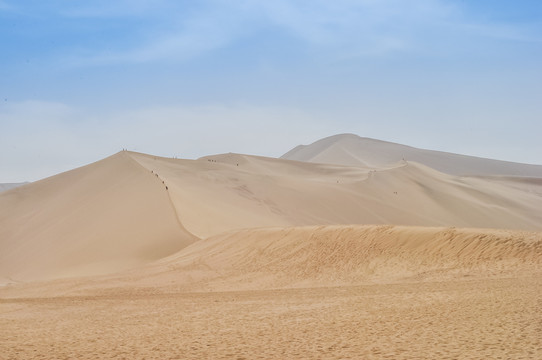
{"type": "Point", "coordinates": [497, 318]}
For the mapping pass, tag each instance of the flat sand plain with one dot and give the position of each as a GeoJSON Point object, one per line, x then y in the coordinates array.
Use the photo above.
{"type": "Point", "coordinates": [496, 318]}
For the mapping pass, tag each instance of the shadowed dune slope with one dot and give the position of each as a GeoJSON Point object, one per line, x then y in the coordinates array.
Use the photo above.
{"type": "Point", "coordinates": [104, 217]}
{"type": "Point", "coordinates": [352, 150]}
{"type": "Point", "coordinates": [231, 191]}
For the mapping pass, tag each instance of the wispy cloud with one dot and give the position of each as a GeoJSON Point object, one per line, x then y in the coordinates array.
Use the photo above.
{"type": "Point", "coordinates": [510, 32]}
{"type": "Point", "coordinates": [4, 6]}
{"type": "Point", "coordinates": [324, 22]}
{"type": "Point", "coordinates": [341, 28]}
{"type": "Point", "coordinates": [111, 9]}
{"type": "Point", "coordinates": [198, 36]}
{"type": "Point", "coordinates": [177, 35]}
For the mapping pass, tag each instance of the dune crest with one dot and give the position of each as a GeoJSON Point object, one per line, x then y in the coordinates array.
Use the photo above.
{"type": "Point", "coordinates": [137, 256]}
{"type": "Point", "coordinates": [320, 256]}
{"type": "Point", "coordinates": [101, 218]}
{"type": "Point", "coordinates": [350, 255]}
{"type": "Point", "coordinates": [353, 150]}
{"type": "Point", "coordinates": [131, 209]}
{"type": "Point", "coordinates": [327, 256]}
{"type": "Point", "coordinates": [231, 191]}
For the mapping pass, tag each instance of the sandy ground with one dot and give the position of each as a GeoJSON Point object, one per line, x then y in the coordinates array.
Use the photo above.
{"type": "Point", "coordinates": [469, 319]}
{"type": "Point", "coordinates": [245, 257]}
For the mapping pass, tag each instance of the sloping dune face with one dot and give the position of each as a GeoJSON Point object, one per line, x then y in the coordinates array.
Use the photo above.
{"type": "Point", "coordinates": [342, 255]}
{"type": "Point", "coordinates": [298, 303]}
{"type": "Point", "coordinates": [352, 150]}
{"type": "Point", "coordinates": [130, 209]}
{"type": "Point", "coordinates": [104, 217]}
{"type": "Point", "coordinates": [228, 192]}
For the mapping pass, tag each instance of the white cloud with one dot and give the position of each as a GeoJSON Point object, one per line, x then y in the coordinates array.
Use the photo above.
{"type": "Point", "coordinates": [177, 35]}
{"type": "Point", "coordinates": [111, 9]}
{"type": "Point", "coordinates": [515, 32]}
{"type": "Point", "coordinates": [196, 38]}
{"type": "Point", "coordinates": [340, 28]}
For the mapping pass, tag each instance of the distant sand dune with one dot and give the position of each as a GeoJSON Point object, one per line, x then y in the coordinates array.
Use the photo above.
{"type": "Point", "coordinates": [231, 191]}
{"type": "Point", "coordinates": [353, 150]}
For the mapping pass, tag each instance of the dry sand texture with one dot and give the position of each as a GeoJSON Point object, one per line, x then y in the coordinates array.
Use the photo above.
{"type": "Point", "coordinates": [101, 218]}
{"type": "Point", "coordinates": [116, 213]}
{"type": "Point", "coordinates": [429, 293]}
{"type": "Point", "coordinates": [477, 319]}
{"type": "Point", "coordinates": [237, 256]}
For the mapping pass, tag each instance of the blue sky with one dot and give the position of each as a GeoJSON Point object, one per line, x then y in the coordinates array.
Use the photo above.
{"type": "Point", "coordinates": [80, 80]}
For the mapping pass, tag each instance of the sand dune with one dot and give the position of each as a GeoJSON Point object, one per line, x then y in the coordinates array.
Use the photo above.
{"type": "Point", "coordinates": [322, 256]}
{"type": "Point", "coordinates": [352, 150]}
{"type": "Point", "coordinates": [231, 191]}
{"type": "Point", "coordinates": [117, 213]}
{"type": "Point", "coordinates": [101, 218]}
{"type": "Point", "coordinates": [8, 186]}
{"type": "Point", "coordinates": [334, 292]}
{"type": "Point", "coordinates": [260, 259]}
{"type": "Point", "coordinates": [237, 256]}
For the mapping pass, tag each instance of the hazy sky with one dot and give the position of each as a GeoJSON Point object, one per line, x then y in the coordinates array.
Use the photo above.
{"type": "Point", "coordinates": [82, 79]}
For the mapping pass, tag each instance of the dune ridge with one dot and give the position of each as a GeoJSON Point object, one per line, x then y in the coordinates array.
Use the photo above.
{"type": "Point", "coordinates": [353, 150]}
{"type": "Point", "coordinates": [101, 218]}
{"type": "Point", "coordinates": [131, 208]}
{"type": "Point", "coordinates": [344, 256]}
{"type": "Point", "coordinates": [232, 191]}
{"type": "Point", "coordinates": [238, 256]}
{"type": "Point", "coordinates": [317, 256]}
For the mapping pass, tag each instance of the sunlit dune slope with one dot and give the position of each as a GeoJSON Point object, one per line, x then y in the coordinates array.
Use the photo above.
{"type": "Point", "coordinates": [353, 150]}
{"type": "Point", "coordinates": [231, 191]}
{"type": "Point", "coordinates": [335, 256]}
{"type": "Point", "coordinates": [104, 217]}
{"type": "Point", "coordinates": [130, 208]}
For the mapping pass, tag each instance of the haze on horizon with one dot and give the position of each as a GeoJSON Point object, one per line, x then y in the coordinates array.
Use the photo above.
{"type": "Point", "coordinates": [81, 81]}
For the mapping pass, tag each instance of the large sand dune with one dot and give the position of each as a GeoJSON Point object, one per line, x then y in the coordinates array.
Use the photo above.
{"type": "Point", "coordinates": [237, 256]}
{"type": "Point", "coordinates": [231, 191]}
{"type": "Point", "coordinates": [133, 208]}
{"type": "Point", "coordinates": [347, 255]}
{"type": "Point", "coordinates": [318, 256]}
{"type": "Point", "coordinates": [101, 218]}
{"type": "Point", "coordinates": [333, 292]}
{"type": "Point", "coordinates": [352, 150]}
